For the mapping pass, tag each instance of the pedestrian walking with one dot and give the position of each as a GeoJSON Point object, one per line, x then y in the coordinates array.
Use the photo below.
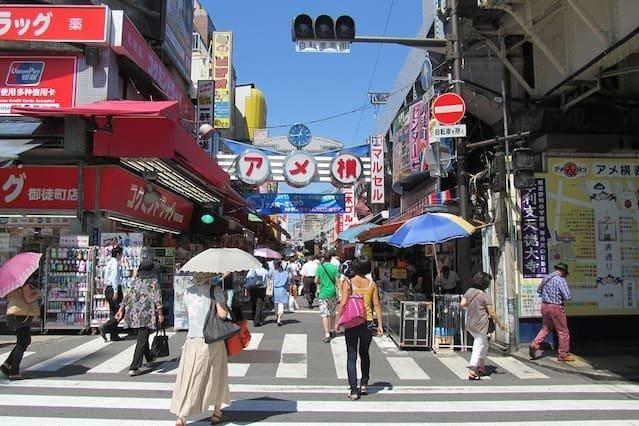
{"type": "Point", "coordinates": [554, 293]}
{"type": "Point", "coordinates": [280, 290]}
{"type": "Point", "coordinates": [141, 309]}
{"type": "Point", "coordinates": [308, 272]}
{"type": "Point", "coordinates": [359, 338]}
{"type": "Point", "coordinates": [479, 311]}
{"type": "Point", "coordinates": [112, 293]}
{"type": "Point", "coordinates": [202, 376]}
{"type": "Point", "coordinates": [327, 279]}
{"type": "Point", "coordinates": [256, 285]}
{"type": "Point", "coordinates": [22, 308]}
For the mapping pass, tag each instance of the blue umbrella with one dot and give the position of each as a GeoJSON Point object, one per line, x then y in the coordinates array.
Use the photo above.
{"type": "Point", "coordinates": [431, 228]}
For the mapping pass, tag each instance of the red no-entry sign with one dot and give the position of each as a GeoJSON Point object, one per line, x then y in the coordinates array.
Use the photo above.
{"type": "Point", "coordinates": [449, 108]}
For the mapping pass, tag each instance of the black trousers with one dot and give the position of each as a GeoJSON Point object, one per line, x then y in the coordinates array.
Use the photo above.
{"type": "Point", "coordinates": [22, 328]}
{"type": "Point", "coordinates": [142, 349]}
{"type": "Point", "coordinates": [111, 326]}
{"type": "Point", "coordinates": [310, 288]}
{"type": "Point", "coordinates": [257, 304]}
{"type": "Point", "coordinates": [358, 336]}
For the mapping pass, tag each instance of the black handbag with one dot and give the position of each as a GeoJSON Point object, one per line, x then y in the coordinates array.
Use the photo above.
{"type": "Point", "coordinates": [160, 345]}
{"type": "Point", "coordinates": [216, 328]}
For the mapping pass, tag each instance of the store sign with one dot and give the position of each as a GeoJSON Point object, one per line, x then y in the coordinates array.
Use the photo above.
{"type": "Point", "coordinates": [339, 223]}
{"type": "Point", "coordinates": [273, 203]}
{"type": "Point", "coordinates": [53, 23]}
{"type": "Point", "coordinates": [299, 169]}
{"type": "Point", "coordinates": [170, 210]}
{"type": "Point", "coordinates": [223, 75]}
{"type": "Point", "coordinates": [253, 167]}
{"type": "Point", "coordinates": [418, 134]}
{"type": "Point", "coordinates": [48, 188]}
{"type": "Point", "coordinates": [377, 170]}
{"type": "Point", "coordinates": [350, 217]}
{"type": "Point", "coordinates": [74, 241]}
{"type": "Point", "coordinates": [177, 34]}
{"type": "Point", "coordinates": [533, 230]}
{"type": "Point", "coordinates": [127, 41]}
{"type": "Point", "coordinates": [205, 98]}
{"type": "Point", "coordinates": [37, 81]}
{"type": "Point", "coordinates": [399, 137]}
{"type": "Point", "coordinates": [346, 169]}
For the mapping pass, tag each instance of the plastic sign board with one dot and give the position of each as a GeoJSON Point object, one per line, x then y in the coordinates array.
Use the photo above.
{"type": "Point", "coordinates": [253, 167]}
{"type": "Point", "coordinates": [350, 217]}
{"type": "Point", "coordinates": [54, 23]}
{"type": "Point", "coordinates": [449, 108]}
{"type": "Point", "coordinates": [299, 169]}
{"type": "Point", "coordinates": [323, 46]}
{"type": "Point", "coordinates": [377, 170]}
{"type": "Point", "coordinates": [346, 169]}
{"type": "Point", "coordinates": [455, 131]}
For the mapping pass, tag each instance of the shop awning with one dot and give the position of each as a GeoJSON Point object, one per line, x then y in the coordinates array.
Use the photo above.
{"type": "Point", "coordinates": [167, 109]}
{"type": "Point", "coordinates": [379, 231]}
{"type": "Point", "coordinates": [351, 234]}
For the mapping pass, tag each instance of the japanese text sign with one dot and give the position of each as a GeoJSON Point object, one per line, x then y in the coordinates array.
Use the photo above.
{"type": "Point", "coordinates": [418, 134]}
{"type": "Point", "coordinates": [299, 169]}
{"type": "Point", "coordinates": [50, 188]}
{"type": "Point", "coordinates": [253, 167]}
{"type": "Point", "coordinates": [346, 169]}
{"type": "Point", "coordinates": [38, 81]}
{"type": "Point", "coordinates": [350, 217]}
{"type": "Point", "coordinates": [205, 94]}
{"type": "Point", "coordinates": [377, 170]}
{"type": "Point", "coordinates": [533, 230]}
{"type": "Point", "coordinates": [275, 203]}
{"type": "Point", "coordinates": [223, 76]}
{"type": "Point", "coordinates": [54, 23]}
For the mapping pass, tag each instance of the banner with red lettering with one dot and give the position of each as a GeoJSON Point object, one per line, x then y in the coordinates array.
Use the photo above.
{"type": "Point", "coordinates": [377, 170]}
{"type": "Point", "coordinates": [39, 188]}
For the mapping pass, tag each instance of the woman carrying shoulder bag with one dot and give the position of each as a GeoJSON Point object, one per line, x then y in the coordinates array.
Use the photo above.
{"type": "Point", "coordinates": [202, 376]}
{"type": "Point", "coordinates": [479, 311]}
{"type": "Point", "coordinates": [356, 282]}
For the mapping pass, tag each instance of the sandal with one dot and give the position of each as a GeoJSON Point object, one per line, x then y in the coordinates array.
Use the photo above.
{"type": "Point", "coordinates": [326, 339]}
{"type": "Point", "coordinates": [353, 396]}
{"type": "Point", "coordinates": [217, 419]}
{"type": "Point", "coordinates": [472, 375]}
{"type": "Point", "coordinates": [180, 422]}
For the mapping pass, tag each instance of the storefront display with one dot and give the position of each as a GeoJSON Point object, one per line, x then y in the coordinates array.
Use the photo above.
{"type": "Point", "coordinates": [180, 317]}
{"type": "Point", "coordinates": [165, 256]}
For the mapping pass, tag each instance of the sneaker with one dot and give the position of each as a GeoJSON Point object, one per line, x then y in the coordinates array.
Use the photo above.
{"type": "Point", "coordinates": [151, 361]}
{"type": "Point", "coordinates": [134, 373]}
{"type": "Point", "coordinates": [566, 358]}
{"type": "Point", "coordinates": [17, 377]}
{"type": "Point", "coordinates": [102, 333]}
{"type": "Point", "coordinates": [532, 352]}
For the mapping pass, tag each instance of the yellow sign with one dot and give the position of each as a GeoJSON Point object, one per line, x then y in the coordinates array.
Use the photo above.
{"type": "Point", "coordinates": [223, 76]}
{"type": "Point", "coordinates": [593, 226]}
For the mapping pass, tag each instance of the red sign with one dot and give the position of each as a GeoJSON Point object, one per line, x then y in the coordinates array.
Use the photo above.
{"type": "Point", "coordinates": [346, 169]}
{"type": "Point", "coordinates": [129, 42]}
{"type": "Point", "coordinates": [47, 188]}
{"type": "Point", "coordinates": [38, 81]}
{"type": "Point", "coordinates": [123, 192]}
{"type": "Point", "coordinates": [449, 108]}
{"type": "Point", "coordinates": [83, 24]}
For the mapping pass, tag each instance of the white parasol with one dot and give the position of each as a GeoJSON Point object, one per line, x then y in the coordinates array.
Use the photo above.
{"type": "Point", "coordinates": [221, 260]}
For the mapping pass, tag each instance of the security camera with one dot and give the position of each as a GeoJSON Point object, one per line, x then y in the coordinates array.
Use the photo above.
{"type": "Point", "coordinates": [205, 131]}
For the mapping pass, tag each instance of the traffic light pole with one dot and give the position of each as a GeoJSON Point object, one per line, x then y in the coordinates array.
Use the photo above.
{"type": "Point", "coordinates": [426, 43]}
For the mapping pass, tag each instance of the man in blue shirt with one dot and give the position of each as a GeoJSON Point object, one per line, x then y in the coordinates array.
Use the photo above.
{"type": "Point", "coordinates": [554, 292]}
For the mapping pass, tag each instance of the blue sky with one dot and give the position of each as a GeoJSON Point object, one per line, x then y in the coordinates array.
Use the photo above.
{"type": "Point", "coordinates": [301, 87]}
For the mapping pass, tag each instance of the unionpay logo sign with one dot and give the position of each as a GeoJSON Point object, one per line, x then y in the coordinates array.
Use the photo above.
{"type": "Point", "coordinates": [25, 73]}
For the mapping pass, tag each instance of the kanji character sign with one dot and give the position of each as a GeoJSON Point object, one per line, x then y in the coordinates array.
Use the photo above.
{"type": "Point", "coordinates": [299, 169]}
{"type": "Point", "coordinates": [346, 169]}
{"type": "Point", "coordinates": [253, 167]}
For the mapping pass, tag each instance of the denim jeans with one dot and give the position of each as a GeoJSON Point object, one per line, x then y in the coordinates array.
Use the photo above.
{"type": "Point", "coordinates": [363, 337]}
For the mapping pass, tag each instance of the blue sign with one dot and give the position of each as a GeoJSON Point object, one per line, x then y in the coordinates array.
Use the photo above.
{"type": "Point", "coordinates": [534, 238]}
{"type": "Point", "coordinates": [273, 203]}
{"type": "Point", "coordinates": [25, 73]}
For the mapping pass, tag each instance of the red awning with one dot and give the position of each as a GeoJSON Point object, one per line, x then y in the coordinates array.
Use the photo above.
{"type": "Point", "coordinates": [167, 109]}
{"type": "Point", "coordinates": [380, 231]}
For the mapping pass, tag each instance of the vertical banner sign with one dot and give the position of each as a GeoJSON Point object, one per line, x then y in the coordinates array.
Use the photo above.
{"type": "Point", "coordinates": [339, 224]}
{"type": "Point", "coordinates": [350, 217]}
{"type": "Point", "coordinates": [533, 230]}
{"type": "Point", "coordinates": [377, 169]}
{"type": "Point", "coordinates": [417, 137]}
{"type": "Point", "coordinates": [205, 97]}
{"type": "Point", "coordinates": [222, 73]}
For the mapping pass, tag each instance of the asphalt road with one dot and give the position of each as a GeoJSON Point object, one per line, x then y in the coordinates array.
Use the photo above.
{"type": "Point", "coordinates": [289, 376]}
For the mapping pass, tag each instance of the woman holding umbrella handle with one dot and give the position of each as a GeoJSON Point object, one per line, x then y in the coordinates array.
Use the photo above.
{"type": "Point", "coordinates": [22, 307]}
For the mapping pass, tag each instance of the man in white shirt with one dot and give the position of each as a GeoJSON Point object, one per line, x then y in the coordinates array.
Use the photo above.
{"type": "Point", "coordinates": [448, 281]}
{"type": "Point", "coordinates": [309, 270]}
{"type": "Point", "coordinates": [112, 293]}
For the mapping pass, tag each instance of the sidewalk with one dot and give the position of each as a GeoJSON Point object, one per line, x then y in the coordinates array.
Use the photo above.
{"type": "Point", "coordinates": [603, 367]}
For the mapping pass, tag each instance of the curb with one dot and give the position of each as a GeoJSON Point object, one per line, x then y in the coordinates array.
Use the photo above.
{"type": "Point", "coordinates": [558, 368]}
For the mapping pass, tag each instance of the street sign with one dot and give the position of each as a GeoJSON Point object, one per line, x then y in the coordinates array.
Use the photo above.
{"type": "Point", "coordinates": [323, 46]}
{"type": "Point", "coordinates": [449, 108]}
{"type": "Point", "coordinates": [455, 131]}
{"type": "Point", "coordinates": [379, 98]}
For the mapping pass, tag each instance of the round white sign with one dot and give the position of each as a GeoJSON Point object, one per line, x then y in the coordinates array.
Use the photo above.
{"type": "Point", "coordinates": [346, 169]}
{"type": "Point", "coordinates": [253, 167]}
{"type": "Point", "coordinates": [299, 169]}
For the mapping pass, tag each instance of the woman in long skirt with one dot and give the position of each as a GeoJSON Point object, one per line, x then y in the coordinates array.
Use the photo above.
{"type": "Point", "coordinates": [202, 377]}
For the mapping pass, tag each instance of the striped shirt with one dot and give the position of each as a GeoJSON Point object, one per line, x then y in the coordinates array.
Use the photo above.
{"type": "Point", "coordinates": [554, 289]}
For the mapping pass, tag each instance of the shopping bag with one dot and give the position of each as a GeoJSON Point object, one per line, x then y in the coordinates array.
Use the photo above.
{"type": "Point", "coordinates": [160, 344]}
{"type": "Point", "coordinates": [353, 313]}
{"type": "Point", "coordinates": [237, 343]}
{"type": "Point", "coordinates": [269, 288]}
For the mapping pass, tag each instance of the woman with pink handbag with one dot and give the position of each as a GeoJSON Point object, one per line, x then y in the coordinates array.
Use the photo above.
{"type": "Point", "coordinates": [360, 296]}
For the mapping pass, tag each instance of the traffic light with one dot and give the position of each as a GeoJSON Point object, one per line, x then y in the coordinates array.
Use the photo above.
{"type": "Point", "coordinates": [323, 28]}
{"type": "Point", "coordinates": [523, 168]}
{"type": "Point", "coordinates": [498, 172]}
{"type": "Point", "coordinates": [207, 219]}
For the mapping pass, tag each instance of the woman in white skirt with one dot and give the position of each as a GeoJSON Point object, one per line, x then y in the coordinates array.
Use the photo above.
{"type": "Point", "coordinates": [202, 377]}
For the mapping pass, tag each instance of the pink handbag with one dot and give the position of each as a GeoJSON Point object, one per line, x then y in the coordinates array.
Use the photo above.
{"type": "Point", "coordinates": [353, 313]}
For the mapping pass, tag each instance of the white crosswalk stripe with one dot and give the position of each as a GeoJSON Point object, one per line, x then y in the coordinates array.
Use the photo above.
{"type": "Point", "coordinates": [456, 364]}
{"type": "Point", "coordinates": [338, 349]}
{"type": "Point", "coordinates": [71, 356]}
{"type": "Point", "coordinates": [517, 368]}
{"type": "Point", "coordinates": [122, 360]}
{"type": "Point", "coordinates": [407, 368]}
{"type": "Point", "coordinates": [293, 357]}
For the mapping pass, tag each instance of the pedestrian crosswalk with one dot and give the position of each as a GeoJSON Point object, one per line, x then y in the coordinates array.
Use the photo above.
{"type": "Point", "coordinates": [292, 361]}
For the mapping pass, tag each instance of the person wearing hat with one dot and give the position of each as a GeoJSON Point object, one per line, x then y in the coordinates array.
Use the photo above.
{"type": "Point", "coordinates": [141, 309]}
{"type": "Point", "coordinates": [554, 293]}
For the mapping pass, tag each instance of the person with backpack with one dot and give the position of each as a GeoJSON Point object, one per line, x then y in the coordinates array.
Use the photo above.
{"type": "Point", "coordinates": [326, 279]}
{"type": "Point", "coordinates": [358, 338]}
